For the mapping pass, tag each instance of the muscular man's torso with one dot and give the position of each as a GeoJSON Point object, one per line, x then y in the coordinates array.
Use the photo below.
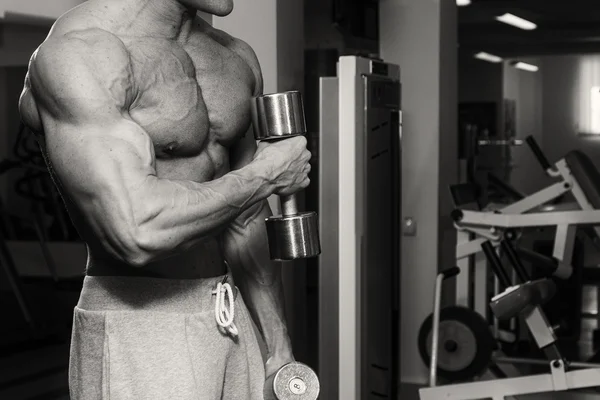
{"type": "Point", "coordinates": [191, 96]}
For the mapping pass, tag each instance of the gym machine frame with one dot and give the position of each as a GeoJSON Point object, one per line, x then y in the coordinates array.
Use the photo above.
{"type": "Point", "coordinates": [559, 379]}
{"type": "Point", "coordinates": [359, 152]}
{"type": "Point", "coordinates": [491, 230]}
{"type": "Point", "coordinates": [476, 227]}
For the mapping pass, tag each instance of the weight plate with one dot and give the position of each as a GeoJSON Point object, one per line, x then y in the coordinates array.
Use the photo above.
{"type": "Point", "coordinates": [465, 346]}
{"type": "Point", "coordinates": [457, 348]}
{"type": "Point", "coordinates": [296, 381]}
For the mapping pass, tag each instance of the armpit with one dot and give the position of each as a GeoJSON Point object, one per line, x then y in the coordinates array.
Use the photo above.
{"type": "Point", "coordinates": [28, 109]}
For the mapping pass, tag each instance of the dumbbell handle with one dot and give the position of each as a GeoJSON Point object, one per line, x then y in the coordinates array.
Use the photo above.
{"type": "Point", "coordinates": [289, 206]}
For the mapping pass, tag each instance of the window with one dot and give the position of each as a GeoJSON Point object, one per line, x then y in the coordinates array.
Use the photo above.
{"type": "Point", "coordinates": [595, 110]}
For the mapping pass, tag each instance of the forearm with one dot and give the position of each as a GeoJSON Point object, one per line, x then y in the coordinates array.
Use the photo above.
{"type": "Point", "coordinates": [259, 278]}
{"type": "Point", "coordinates": [174, 215]}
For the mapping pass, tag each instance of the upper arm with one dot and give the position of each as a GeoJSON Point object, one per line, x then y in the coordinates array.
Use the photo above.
{"type": "Point", "coordinates": [242, 152]}
{"type": "Point", "coordinates": [99, 155]}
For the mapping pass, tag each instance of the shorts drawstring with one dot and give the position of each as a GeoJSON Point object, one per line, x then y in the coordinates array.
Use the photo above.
{"type": "Point", "coordinates": [224, 315]}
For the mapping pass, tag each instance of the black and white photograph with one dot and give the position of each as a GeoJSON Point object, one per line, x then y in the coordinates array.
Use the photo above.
{"type": "Point", "coordinates": [299, 200]}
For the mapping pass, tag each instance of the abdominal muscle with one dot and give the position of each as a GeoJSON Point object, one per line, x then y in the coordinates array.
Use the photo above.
{"type": "Point", "coordinates": [204, 260]}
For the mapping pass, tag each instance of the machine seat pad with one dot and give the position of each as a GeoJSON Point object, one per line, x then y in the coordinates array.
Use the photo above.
{"type": "Point", "coordinates": [586, 174]}
{"type": "Point", "coordinates": [517, 299]}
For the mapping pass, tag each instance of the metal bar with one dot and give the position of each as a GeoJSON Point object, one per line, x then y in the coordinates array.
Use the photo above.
{"type": "Point", "coordinates": [486, 389]}
{"type": "Point", "coordinates": [500, 142]}
{"type": "Point", "coordinates": [437, 305]}
{"type": "Point", "coordinates": [496, 264]}
{"type": "Point", "coordinates": [537, 199]}
{"type": "Point", "coordinates": [437, 300]}
{"type": "Point", "coordinates": [538, 153]}
{"type": "Point", "coordinates": [530, 220]}
{"type": "Point", "coordinates": [540, 329]}
{"type": "Point", "coordinates": [472, 247]}
{"type": "Point", "coordinates": [539, 361]}
{"type": "Point", "coordinates": [480, 297]}
{"type": "Point", "coordinates": [564, 242]}
{"type": "Point", "coordinates": [289, 205]}
{"type": "Point", "coordinates": [501, 388]}
{"type": "Point", "coordinates": [514, 259]}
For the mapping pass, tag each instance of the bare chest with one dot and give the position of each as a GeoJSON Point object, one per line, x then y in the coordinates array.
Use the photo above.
{"type": "Point", "coordinates": [192, 100]}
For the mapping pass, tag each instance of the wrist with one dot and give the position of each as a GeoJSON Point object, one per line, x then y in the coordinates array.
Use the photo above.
{"type": "Point", "coordinates": [279, 345]}
{"type": "Point", "coordinates": [261, 172]}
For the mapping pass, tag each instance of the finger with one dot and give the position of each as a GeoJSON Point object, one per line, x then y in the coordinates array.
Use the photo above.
{"type": "Point", "coordinates": [302, 140]}
{"type": "Point", "coordinates": [306, 156]}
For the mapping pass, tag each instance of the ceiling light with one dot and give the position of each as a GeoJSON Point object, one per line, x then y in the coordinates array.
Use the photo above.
{"type": "Point", "coordinates": [488, 57]}
{"type": "Point", "coordinates": [462, 3]}
{"type": "Point", "coordinates": [516, 21]}
{"type": "Point", "coordinates": [526, 67]}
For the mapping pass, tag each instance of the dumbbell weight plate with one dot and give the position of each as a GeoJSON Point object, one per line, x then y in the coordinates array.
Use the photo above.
{"type": "Point", "coordinates": [296, 381]}
{"type": "Point", "coordinates": [278, 115]}
{"type": "Point", "coordinates": [293, 236]}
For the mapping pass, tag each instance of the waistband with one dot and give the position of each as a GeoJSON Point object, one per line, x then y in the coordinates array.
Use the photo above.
{"type": "Point", "coordinates": [122, 293]}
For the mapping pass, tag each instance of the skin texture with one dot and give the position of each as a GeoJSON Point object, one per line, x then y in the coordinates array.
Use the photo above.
{"type": "Point", "coordinates": [142, 112]}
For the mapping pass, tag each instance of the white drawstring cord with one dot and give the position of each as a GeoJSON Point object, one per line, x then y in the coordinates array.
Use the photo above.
{"type": "Point", "coordinates": [224, 315]}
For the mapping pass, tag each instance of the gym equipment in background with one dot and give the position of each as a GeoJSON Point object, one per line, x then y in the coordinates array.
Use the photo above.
{"type": "Point", "coordinates": [356, 192]}
{"type": "Point", "coordinates": [524, 299]}
{"type": "Point", "coordinates": [41, 219]}
{"type": "Point", "coordinates": [542, 206]}
{"type": "Point", "coordinates": [496, 229]}
{"type": "Point", "coordinates": [455, 341]}
{"type": "Point", "coordinates": [294, 234]}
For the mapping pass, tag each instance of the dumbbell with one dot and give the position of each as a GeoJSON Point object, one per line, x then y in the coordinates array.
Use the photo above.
{"type": "Point", "coordinates": [293, 381]}
{"type": "Point", "coordinates": [293, 234]}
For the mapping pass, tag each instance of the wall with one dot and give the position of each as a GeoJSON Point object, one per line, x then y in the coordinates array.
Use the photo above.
{"type": "Point", "coordinates": [420, 36]}
{"type": "Point", "coordinates": [478, 81]}
{"type": "Point", "coordinates": [17, 44]}
{"type": "Point", "coordinates": [51, 9]}
{"type": "Point", "coordinates": [319, 30]}
{"type": "Point", "coordinates": [566, 82]}
{"type": "Point", "coordinates": [526, 89]}
{"type": "Point", "coordinates": [482, 81]}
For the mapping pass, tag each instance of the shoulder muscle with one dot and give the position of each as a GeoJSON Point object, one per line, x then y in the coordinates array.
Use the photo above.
{"type": "Point", "coordinates": [246, 52]}
{"type": "Point", "coordinates": [81, 73]}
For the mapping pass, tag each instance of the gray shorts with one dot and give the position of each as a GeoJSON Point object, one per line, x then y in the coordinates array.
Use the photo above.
{"type": "Point", "coordinates": [160, 339]}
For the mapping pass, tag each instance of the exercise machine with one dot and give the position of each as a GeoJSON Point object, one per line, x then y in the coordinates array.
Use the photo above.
{"type": "Point", "coordinates": [357, 159]}
{"type": "Point", "coordinates": [497, 228]}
